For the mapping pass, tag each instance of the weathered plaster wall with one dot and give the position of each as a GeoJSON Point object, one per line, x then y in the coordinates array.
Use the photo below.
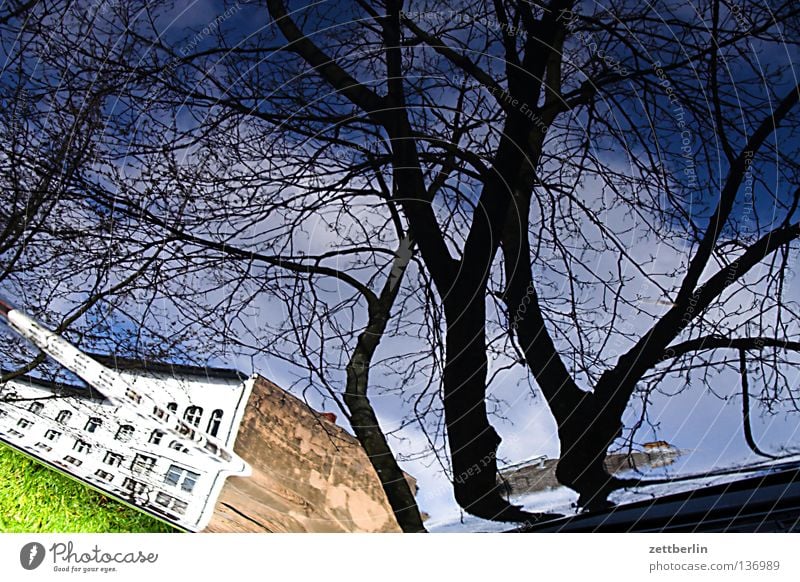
{"type": "Point", "coordinates": [309, 475]}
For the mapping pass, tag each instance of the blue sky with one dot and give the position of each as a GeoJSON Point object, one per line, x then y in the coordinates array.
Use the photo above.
{"type": "Point", "coordinates": [705, 426]}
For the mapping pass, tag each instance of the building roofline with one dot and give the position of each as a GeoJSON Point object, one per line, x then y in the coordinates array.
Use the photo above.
{"type": "Point", "coordinates": [124, 364]}
{"type": "Point", "coordinates": [57, 387]}
{"type": "Point", "coordinates": [133, 365]}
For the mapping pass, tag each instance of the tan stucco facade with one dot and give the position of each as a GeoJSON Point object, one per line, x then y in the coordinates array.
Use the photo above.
{"type": "Point", "coordinates": [309, 475]}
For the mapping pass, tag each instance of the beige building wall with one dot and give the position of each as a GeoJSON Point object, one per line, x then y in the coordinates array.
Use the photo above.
{"type": "Point", "coordinates": [309, 475]}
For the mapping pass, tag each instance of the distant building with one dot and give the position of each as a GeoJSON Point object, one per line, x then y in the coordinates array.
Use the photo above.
{"type": "Point", "coordinates": [763, 498]}
{"type": "Point", "coordinates": [308, 474]}
{"type": "Point", "coordinates": [539, 473]}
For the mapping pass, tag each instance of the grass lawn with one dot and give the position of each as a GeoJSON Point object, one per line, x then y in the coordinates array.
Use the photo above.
{"type": "Point", "coordinates": [34, 498]}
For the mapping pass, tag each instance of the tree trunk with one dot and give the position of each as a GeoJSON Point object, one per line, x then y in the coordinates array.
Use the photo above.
{"type": "Point", "coordinates": [584, 438]}
{"type": "Point", "coordinates": [369, 434]}
{"type": "Point", "coordinates": [585, 429]}
{"type": "Point", "coordinates": [362, 415]}
{"type": "Point", "coordinates": [473, 442]}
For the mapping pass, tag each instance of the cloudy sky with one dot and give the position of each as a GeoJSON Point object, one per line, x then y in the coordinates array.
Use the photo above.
{"type": "Point", "coordinates": [702, 418]}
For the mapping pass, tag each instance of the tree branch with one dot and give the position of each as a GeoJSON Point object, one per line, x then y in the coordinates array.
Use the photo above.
{"type": "Point", "coordinates": [617, 384]}
{"type": "Point", "coordinates": [728, 195]}
{"type": "Point", "coordinates": [359, 94]}
{"type": "Point", "coordinates": [715, 342]}
{"type": "Point", "coordinates": [748, 430]}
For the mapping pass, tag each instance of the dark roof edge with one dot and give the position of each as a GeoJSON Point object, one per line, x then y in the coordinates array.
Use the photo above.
{"type": "Point", "coordinates": [130, 364]}
{"type": "Point", "coordinates": [58, 388]}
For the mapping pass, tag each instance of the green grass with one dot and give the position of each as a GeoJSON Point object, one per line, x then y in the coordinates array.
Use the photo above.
{"type": "Point", "coordinates": [34, 498]}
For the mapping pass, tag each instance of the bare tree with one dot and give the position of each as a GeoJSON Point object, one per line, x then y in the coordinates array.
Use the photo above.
{"type": "Point", "coordinates": [533, 89]}
{"type": "Point", "coordinates": [62, 256]}
{"type": "Point", "coordinates": [393, 168]}
{"type": "Point", "coordinates": [201, 266]}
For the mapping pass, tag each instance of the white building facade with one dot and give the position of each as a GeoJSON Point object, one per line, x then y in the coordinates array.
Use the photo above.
{"type": "Point", "coordinates": [126, 454]}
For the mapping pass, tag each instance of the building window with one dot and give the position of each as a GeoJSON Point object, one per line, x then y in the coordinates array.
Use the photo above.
{"type": "Point", "coordinates": [73, 461]}
{"type": "Point", "coordinates": [63, 416]}
{"type": "Point", "coordinates": [15, 433]}
{"type": "Point", "coordinates": [124, 433]}
{"type": "Point", "coordinates": [106, 379]}
{"type": "Point", "coordinates": [81, 446]}
{"type": "Point", "coordinates": [113, 459]}
{"type": "Point", "coordinates": [3, 413]}
{"type": "Point", "coordinates": [143, 463]}
{"type": "Point", "coordinates": [104, 475]}
{"type": "Point", "coordinates": [156, 436]}
{"type": "Point", "coordinates": [178, 476]}
{"type": "Point", "coordinates": [35, 407]}
{"type": "Point", "coordinates": [178, 447]}
{"type": "Point", "coordinates": [214, 422]}
{"type": "Point", "coordinates": [133, 395]}
{"type": "Point", "coordinates": [24, 423]}
{"type": "Point", "coordinates": [193, 414]}
{"type": "Point", "coordinates": [52, 435]}
{"type": "Point", "coordinates": [170, 502]}
{"type": "Point", "coordinates": [133, 485]}
{"type": "Point", "coordinates": [80, 363]}
{"type": "Point", "coordinates": [172, 406]}
{"type": "Point", "coordinates": [43, 446]}
{"type": "Point", "coordinates": [187, 431]}
{"type": "Point", "coordinates": [93, 424]}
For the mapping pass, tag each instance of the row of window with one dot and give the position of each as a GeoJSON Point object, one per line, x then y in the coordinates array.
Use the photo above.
{"type": "Point", "coordinates": [156, 437]}
{"type": "Point", "coordinates": [176, 477]}
{"type": "Point", "coordinates": [170, 502]}
{"type": "Point", "coordinates": [142, 464]}
{"type": "Point", "coordinates": [83, 447]}
{"type": "Point", "coordinates": [162, 499]}
{"type": "Point", "coordinates": [124, 432]}
{"type": "Point", "coordinates": [193, 415]}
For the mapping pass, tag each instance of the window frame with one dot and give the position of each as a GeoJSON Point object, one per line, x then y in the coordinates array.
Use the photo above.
{"type": "Point", "coordinates": [124, 433]}
{"type": "Point", "coordinates": [184, 479]}
{"type": "Point", "coordinates": [215, 421]}
{"type": "Point", "coordinates": [104, 475]}
{"type": "Point", "coordinates": [63, 416]}
{"type": "Point", "coordinates": [156, 437]}
{"type": "Point", "coordinates": [143, 464]}
{"type": "Point", "coordinates": [93, 424]}
{"type": "Point", "coordinates": [52, 434]}
{"type": "Point", "coordinates": [81, 446]}
{"type": "Point", "coordinates": [134, 486]}
{"type": "Point", "coordinates": [116, 458]}
{"type": "Point", "coordinates": [193, 415]}
{"type": "Point", "coordinates": [73, 461]}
